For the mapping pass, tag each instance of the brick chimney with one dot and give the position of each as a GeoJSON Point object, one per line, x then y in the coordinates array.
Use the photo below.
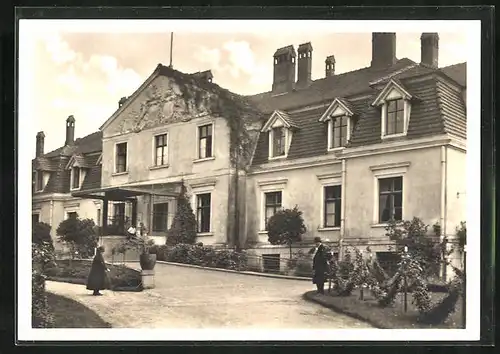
{"type": "Point", "coordinates": [429, 49]}
{"type": "Point", "coordinates": [70, 130]}
{"type": "Point", "coordinates": [40, 142]}
{"type": "Point", "coordinates": [304, 65]}
{"type": "Point", "coordinates": [330, 66]}
{"type": "Point", "coordinates": [383, 49]}
{"type": "Point", "coordinates": [284, 70]}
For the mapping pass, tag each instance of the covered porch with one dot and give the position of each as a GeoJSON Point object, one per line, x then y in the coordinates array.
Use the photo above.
{"type": "Point", "coordinates": [124, 206]}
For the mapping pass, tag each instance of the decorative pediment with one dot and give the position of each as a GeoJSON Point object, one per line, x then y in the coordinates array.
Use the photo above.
{"type": "Point", "coordinates": [339, 107]}
{"type": "Point", "coordinates": [393, 90]}
{"type": "Point", "coordinates": [159, 101]}
{"type": "Point", "coordinates": [279, 119]}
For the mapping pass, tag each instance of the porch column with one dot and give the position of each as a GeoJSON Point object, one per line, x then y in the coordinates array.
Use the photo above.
{"type": "Point", "coordinates": [104, 216]}
{"type": "Point", "coordinates": [134, 212]}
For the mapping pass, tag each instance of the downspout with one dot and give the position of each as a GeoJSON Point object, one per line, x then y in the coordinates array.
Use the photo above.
{"type": "Point", "coordinates": [51, 211]}
{"type": "Point", "coordinates": [236, 229]}
{"type": "Point", "coordinates": [442, 219]}
{"type": "Point", "coordinates": [342, 212]}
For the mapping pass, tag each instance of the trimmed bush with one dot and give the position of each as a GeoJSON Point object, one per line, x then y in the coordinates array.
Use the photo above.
{"type": "Point", "coordinates": [201, 255]}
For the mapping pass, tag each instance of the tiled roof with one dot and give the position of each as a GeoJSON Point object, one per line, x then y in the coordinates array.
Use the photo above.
{"type": "Point", "coordinates": [87, 144]}
{"type": "Point", "coordinates": [288, 119]}
{"type": "Point", "coordinates": [457, 72]}
{"type": "Point", "coordinates": [92, 179]}
{"type": "Point", "coordinates": [438, 108]}
{"type": "Point", "coordinates": [57, 160]}
{"type": "Point", "coordinates": [328, 88]}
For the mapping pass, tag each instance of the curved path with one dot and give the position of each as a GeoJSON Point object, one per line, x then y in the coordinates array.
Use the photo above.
{"type": "Point", "coordinates": [199, 298]}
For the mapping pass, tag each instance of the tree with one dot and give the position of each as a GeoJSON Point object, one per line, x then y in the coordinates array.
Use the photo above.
{"type": "Point", "coordinates": [422, 246]}
{"type": "Point", "coordinates": [461, 234]}
{"type": "Point", "coordinates": [40, 234]}
{"type": "Point", "coordinates": [79, 234]}
{"type": "Point", "coordinates": [184, 226]}
{"type": "Point", "coordinates": [286, 227]}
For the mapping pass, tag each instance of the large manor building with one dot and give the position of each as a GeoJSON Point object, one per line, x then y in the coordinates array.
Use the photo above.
{"type": "Point", "coordinates": [351, 150]}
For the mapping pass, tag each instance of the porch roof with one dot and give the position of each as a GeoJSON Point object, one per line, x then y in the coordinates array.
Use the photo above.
{"type": "Point", "coordinates": [128, 192]}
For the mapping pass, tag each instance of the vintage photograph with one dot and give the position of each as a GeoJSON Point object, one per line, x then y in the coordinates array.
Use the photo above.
{"type": "Point", "coordinates": [243, 178]}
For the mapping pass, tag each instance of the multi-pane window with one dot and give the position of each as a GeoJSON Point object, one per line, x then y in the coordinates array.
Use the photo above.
{"type": "Point", "coordinates": [160, 217]}
{"type": "Point", "coordinates": [339, 132]}
{"type": "Point", "coordinates": [394, 122]}
{"type": "Point", "coordinates": [121, 157]}
{"type": "Point", "coordinates": [39, 180]}
{"type": "Point", "coordinates": [390, 199]}
{"type": "Point", "coordinates": [279, 141]}
{"type": "Point", "coordinates": [35, 218]}
{"type": "Point", "coordinates": [272, 205]}
{"type": "Point", "coordinates": [205, 141]}
{"type": "Point", "coordinates": [161, 155]}
{"type": "Point", "coordinates": [203, 202]}
{"type": "Point", "coordinates": [75, 181]}
{"type": "Point", "coordinates": [332, 204]}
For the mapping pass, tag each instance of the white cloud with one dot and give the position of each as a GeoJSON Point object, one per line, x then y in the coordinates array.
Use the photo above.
{"type": "Point", "coordinates": [59, 50]}
{"type": "Point", "coordinates": [210, 56]}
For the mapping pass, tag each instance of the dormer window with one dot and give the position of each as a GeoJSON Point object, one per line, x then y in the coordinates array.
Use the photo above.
{"type": "Point", "coordinates": [75, 178]}
{"type": "Point", "coordinates": [394, 118]}
{"type": "Point", "coordinates": [279, 141]}
{"type": "Point", "coordinates": [395, 108]}
{"type": "Point", "coordinates": [279, 127]}
{"type": "Point", "coordinates": [339, 117]}
{"type": "Point", "coordinates": [39, 181]}
{"type": "Point", "coordinates": [338, 128]}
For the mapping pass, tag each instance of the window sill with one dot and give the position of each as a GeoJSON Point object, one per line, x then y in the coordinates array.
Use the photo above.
{"type": "Point", "coordinates": [262, 232]}
{"type": "Point", "coordinates": [119, 174]}
{"type": "Point", "coordinates": [338, 149]}
{"type": "Point", "coordinates": [204, 234]}
{"type": "Point", "coordinates": [205, 159]}
{"type": "Point", "coordinates": [323, 229]}
{"type": "Point", "coordinates": [271, 158]}
{"type": "Point", "coordinates": [74, 189]}
{"type": "Point", "coordinates": [152, 168]}
{"type": "Point", "coordinates": [393, 136]}
{"type": "Point", "coordinates": [382, 225]}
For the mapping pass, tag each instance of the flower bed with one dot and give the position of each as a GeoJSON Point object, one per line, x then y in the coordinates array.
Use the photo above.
{"type": "Point", "coordinates": [391, 317]}
{"type": "Point", "coordinates": [76, 272]}
{"type": "Point", "coordinates": [201, 256]}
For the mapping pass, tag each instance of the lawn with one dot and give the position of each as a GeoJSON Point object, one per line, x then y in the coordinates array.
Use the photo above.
{"type": "Point", "coordinates": [392, 317]}
{"type": "Point", "coordinates": [76, 271]}
{"type": "Point", "coordinates": [71, 314]}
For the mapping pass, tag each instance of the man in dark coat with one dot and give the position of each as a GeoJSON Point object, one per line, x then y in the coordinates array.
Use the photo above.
{"type": "Point", "coordinates": [320, 265]}
{"type": "Point", "coordinates": [98, 279]}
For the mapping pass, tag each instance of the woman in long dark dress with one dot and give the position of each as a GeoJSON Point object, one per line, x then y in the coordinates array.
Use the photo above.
{"type": "Point", "coordinates": [98, 279]}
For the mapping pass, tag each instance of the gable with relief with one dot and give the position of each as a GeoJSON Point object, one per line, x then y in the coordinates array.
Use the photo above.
{"type": "Point", "coordinates": [162, 102]}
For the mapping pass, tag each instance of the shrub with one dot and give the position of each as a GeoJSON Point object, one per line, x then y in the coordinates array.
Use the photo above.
{"type": "Point", "coordinates": [423, 246]}
{"type": "Point", "coordinates": [42, 261]}
{"type": "Point", "coordinates": [286, 227]}
{"type": "Point", "coordinates": [41, 234]}
{"type": "Point", "coordinates": [80, 235]}
{"type": "Point", "coordinates": [184, 226]}
{"type": "Point", "coordinates": [301, 263]}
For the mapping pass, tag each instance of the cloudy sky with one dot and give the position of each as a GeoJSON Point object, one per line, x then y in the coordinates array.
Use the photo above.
{"type": "Point", "coordinates": [85, 74]}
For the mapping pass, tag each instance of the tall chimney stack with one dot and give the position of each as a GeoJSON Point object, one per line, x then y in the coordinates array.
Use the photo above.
{"type": "Point", "coordinates": [304, 65]}
{"type": "Point", "coordinates": [284, 70]}
{"type": "Point", "coordinates": [383, 50]}
{"type": "Point", "coordinates": [330, 66]}
{"type": "Point", "coordinates": [429, 49]}
{"type": "Point", "coordinates": [40, 142]}
{"type": "Point", "coordinates": [70, 130]}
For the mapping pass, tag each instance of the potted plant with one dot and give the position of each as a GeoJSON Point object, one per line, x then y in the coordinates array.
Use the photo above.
{"type": "Point", "coordinates": [147, 260]}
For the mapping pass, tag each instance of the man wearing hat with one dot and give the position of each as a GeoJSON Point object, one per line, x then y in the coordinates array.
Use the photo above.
{"type": "Point", "coordinates": [320, 265]}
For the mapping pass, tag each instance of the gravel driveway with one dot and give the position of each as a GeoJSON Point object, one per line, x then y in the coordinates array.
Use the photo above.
{"type": "Point", "coordinates": [198, 298]}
